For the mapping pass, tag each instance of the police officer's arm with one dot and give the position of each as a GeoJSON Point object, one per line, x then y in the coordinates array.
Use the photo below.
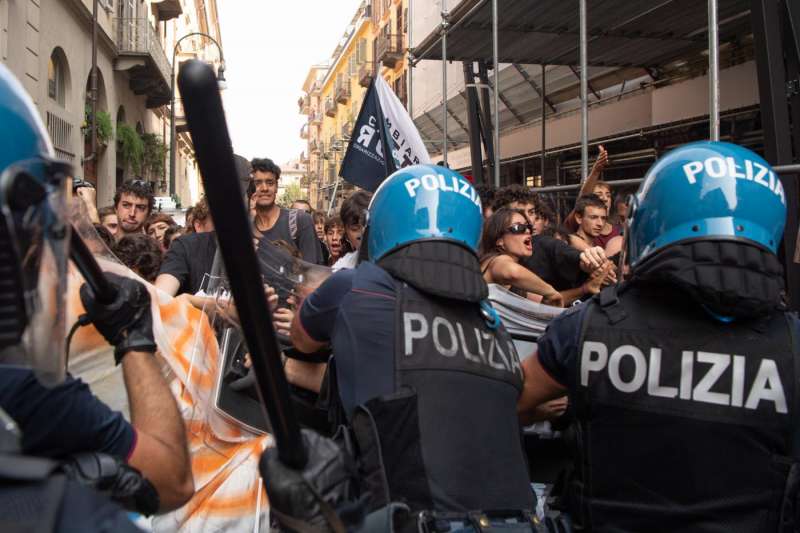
{"type": "Point", "coordinates": [537, 389]}
{"type": "Point", "coordinates": [160, 452]}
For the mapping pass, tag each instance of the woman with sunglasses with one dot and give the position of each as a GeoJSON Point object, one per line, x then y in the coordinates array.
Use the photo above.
{"type": "Point", "coordinates": [506, 239]}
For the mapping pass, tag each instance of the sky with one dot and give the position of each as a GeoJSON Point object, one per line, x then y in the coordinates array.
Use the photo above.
{"type": "Point", "coordinates": [269, 47]}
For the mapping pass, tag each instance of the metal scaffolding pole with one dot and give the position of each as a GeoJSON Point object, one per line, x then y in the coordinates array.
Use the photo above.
{"type": "Point", "coordinates": [444, 81]}
{"type": "Point", "coordinates": [713, 71]}
{"type": "Point", "coordinates": [544, 126]}
{"type": "Point", "coordinates": [496, 65]}
{"type": "Point", "coordinates": [584, 96]}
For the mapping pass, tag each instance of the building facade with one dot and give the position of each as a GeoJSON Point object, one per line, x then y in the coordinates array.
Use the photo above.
{"type": "Point", "coordinates": [374, 43]}
{"type": "Point", "coordinates": [47, 44]}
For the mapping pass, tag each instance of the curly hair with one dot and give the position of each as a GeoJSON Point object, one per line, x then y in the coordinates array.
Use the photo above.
{"type": "Point", "coordinates": [354, 207]}
{"type": "Point", "coordinates": [505, 196]}
{"type": "Point", "coordinates": [158, 217]}
{"type": "Point", "coordinates": [137, 188]}
{"type": "Point", "coordinates": [140, 253]}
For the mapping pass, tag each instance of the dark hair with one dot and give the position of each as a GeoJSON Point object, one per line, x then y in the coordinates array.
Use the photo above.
{"type": "Point", "coordinates": [544, 209]}
{"type": "Point", "coordinates": [354, 207]}
{"type": "Point", "coordinates": [105, 211]}
{"type": "Point", "coordinates": [189, 220]}
{"type": "Point", "coordinates": [589, 200]}
{"type": "Point", "coordinates": [264, 165]}
{"type": "Point", "coordinates": [137, 188]}
{"type": "Point", "coordinates": [557, 232]}
{"type": "Point", "coordinates": [200, 211]}
{"type": "Point", "coordinates": [140, 253]}
{"type": "Point", "coordinates": [505, 196]}
{"type": "Point", "coordinates": [319, 216]}
{"type": "Point", "coordinates": [487, 193]}
{"type": "Point", "coordinates": [171, 233]}
{"type": "Point", "coordinates": [158, 217]}
{"type": "Point", "coordinates": [288, 247]}
{"type": "Point", "coordinates": [333, 221]}
{"type": "Point", "coordinates": [494, 228]}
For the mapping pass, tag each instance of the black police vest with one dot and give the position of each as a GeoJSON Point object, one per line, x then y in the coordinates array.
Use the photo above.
{"type": "Point", "coordinates": [448, 438]}
{"type": "Point", "coordinates": [684, 423]}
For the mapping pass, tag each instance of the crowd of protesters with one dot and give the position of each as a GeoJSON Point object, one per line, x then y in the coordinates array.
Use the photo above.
{"type": "Point", "coordinates": [525, 246]}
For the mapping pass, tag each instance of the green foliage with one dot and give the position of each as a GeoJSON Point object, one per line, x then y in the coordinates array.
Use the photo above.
{"type": "Point", "coordinates": [131, 147]}
{"type": "Point", "coordinates": [155, 153]}
{"type": "Point", "coordinates": [292, 193]}
{"type": "Point", "coordinates": [105, 129]}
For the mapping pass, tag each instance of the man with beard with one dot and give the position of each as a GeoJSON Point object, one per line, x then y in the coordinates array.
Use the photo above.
{"type": "Point", "coordinates": [272, 222]}
{"type": "Point", "coordinates": [133, 203]}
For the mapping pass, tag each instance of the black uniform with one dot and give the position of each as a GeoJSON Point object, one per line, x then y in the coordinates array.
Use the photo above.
{"type": "Point", "coordinates": [684, 423]}
{"type": "Point", "coordinates": [442, 412]}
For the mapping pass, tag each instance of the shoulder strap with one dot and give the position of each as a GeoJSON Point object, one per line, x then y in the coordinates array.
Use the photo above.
{"type": "Point", "coordinates": [608, 300]}
{"type": "Point", "coordinates": [293, 224]}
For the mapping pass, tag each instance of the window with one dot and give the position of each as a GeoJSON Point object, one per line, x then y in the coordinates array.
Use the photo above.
{"type": "Point", "coordinates": [56, 77]}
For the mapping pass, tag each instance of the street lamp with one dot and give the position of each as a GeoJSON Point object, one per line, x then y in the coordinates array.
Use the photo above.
{"type": "Point", "coordinates": [221, 83]}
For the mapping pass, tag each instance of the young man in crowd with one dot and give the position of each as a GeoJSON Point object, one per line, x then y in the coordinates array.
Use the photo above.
{"type": "Point", "coordinates": [319, 229]}
{"type": "Point", "coordinates": [334, 238]}
{"type": "Point", "coordinates": [133, 203]}
{"type": "Point", "coordinates": [157, 225]}
{"type": "Point", "coordinates": [352, 215]}
{"type": "Point", "coordinates": [303, 205]}
{"type": "Point", "coordinates": [109, 220]}
{"type": "Point", "coordinates": [591, 215]}
{"type": "Point", "coordinates": [201, 217]}
{"type": "Point", "coordinates": [273, 223]}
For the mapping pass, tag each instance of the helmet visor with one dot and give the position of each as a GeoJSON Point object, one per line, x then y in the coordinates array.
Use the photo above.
{"type": "Point", "coordinates": [33, 196]}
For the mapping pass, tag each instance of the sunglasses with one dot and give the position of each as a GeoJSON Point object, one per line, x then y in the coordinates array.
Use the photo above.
{"type": "Point", "coordinates": [519, 229]}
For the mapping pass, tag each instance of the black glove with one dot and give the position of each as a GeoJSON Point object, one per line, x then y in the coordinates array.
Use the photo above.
{"type": "Point", "coordinates": [111, 476]}
{"type": "Point", "coordinates": [309, 497]}
{"type": "Point", "coordinates": [126, 323]}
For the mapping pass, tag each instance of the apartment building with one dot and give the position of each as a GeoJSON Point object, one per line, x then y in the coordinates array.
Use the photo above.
{"type": "Point", "coordinates": [374, 42]}
{"type": "Point", "coordinates": [48, 45]}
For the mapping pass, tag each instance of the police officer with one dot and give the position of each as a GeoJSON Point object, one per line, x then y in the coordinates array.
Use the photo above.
{"type": "Point", "coordinates": [57, 416]}
{"type": "Point", "coordinates": [684, 379]}
{"type": "Point", "coordinates": [427, 376]}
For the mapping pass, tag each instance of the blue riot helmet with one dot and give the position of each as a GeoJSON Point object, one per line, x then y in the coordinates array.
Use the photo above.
{"type": "Point", "coordinates": [34, 238]}
{"type": "Point", "coordinates": [423, 203]}
{"type": "Point", "coordinates": [706, 190]}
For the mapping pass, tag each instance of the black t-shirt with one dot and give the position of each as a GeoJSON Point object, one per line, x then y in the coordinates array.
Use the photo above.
{"type": "Point", "coordinates": [189, 258]}
{"type": "Point", "coordinates": [305, 239]}
{"type": "Point", "coordinates": [556, 262]}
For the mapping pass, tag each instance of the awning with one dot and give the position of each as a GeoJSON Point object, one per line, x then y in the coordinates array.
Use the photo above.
{"type": "Point", "coordinates": [621, 33]}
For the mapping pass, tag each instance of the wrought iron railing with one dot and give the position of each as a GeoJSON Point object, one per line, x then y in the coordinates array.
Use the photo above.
{"type": "Point", "coordinates": [61, 135]}
{"type": "Point", "coordinates": [137, 36]}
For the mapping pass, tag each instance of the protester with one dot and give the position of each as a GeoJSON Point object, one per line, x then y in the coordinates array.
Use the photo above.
{"type": "Point", "coordinates": [487, 194]}
{"type": "Point", "coordinates": [171, 234]}
{"type": "Point", "coordinates": [133, 203]}
{"type": "Point", "coordinates": [505, 240]}
{"type": "Point", "coordinates": [405, 381]}
{"type": "Point", "coordinates": [201, 217]}
{"type": "Point", "coordinates": [591, 219]}
{"type": "Point", "coordinates": [303, 205]}
{"type": "Point", "coordinates": [319, 229]}
{"type": "Point", "coordinates": [64, 418]}
{"type": "Point", "coordinates": [189, 219]}
{"type": "Point", "coordinates": [692, 361]}
{"type": "Point", "coordinates": [619, 214]}
{"type": "Point", "coordinates": [141, 253]}
{"type": "Point", "coordinates": [334, 237]}
{"type": "Point", "coordinates": [108, 218]}
{"type": "Point", "coordinates": [275, 223]}
{"type": "Point", "coordinates": [187, 261]}
{"type": "Point", "coordinates": [157, 225]}
{"type": "Point", "coordinates": [352, 214]}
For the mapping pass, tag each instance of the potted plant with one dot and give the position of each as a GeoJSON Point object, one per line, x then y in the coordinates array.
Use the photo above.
{"type": "Point", "coordinates": [105, 129]}
{"type": "Point", "coordinates": [130, 147]}
{"type": "Point", "coordinates": [155, 154]}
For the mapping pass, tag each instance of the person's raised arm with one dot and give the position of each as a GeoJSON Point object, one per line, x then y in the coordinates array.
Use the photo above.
{"type": "Point", "coordinates": [160, 452]}
{"type": "Point", "coordinates": [594, 176]}
{"type": "Point", "coordinates": [506, 271]}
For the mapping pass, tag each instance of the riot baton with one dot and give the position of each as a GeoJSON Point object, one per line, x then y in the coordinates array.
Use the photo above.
{"type": "Point", "coordinates": [104, 291]}
{"type": "Point", "coordinates": [214, 154]}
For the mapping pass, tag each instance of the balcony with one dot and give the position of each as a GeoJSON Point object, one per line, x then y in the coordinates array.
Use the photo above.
{"type": "Point", "coordinates": [304, 132]}
{"type": "Point", "coordinates": [330, 107]}
{"type": "Point", "coordinates": [365, 73]}
{"type": "Point", "coordinates": [303, 103]}
{"type": "Point", "coordinates": [313, 146]}
{"type": "Point", "coordinates": [316, 117]}
{"type": "Point", "coordinates": [342, 92]}
{"type": "Point", "coordinates": [143, 58]}
{"type": "Point", "coordinates": [390, 49]}
{"type": "Point", "coordinates": [347, 129]}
